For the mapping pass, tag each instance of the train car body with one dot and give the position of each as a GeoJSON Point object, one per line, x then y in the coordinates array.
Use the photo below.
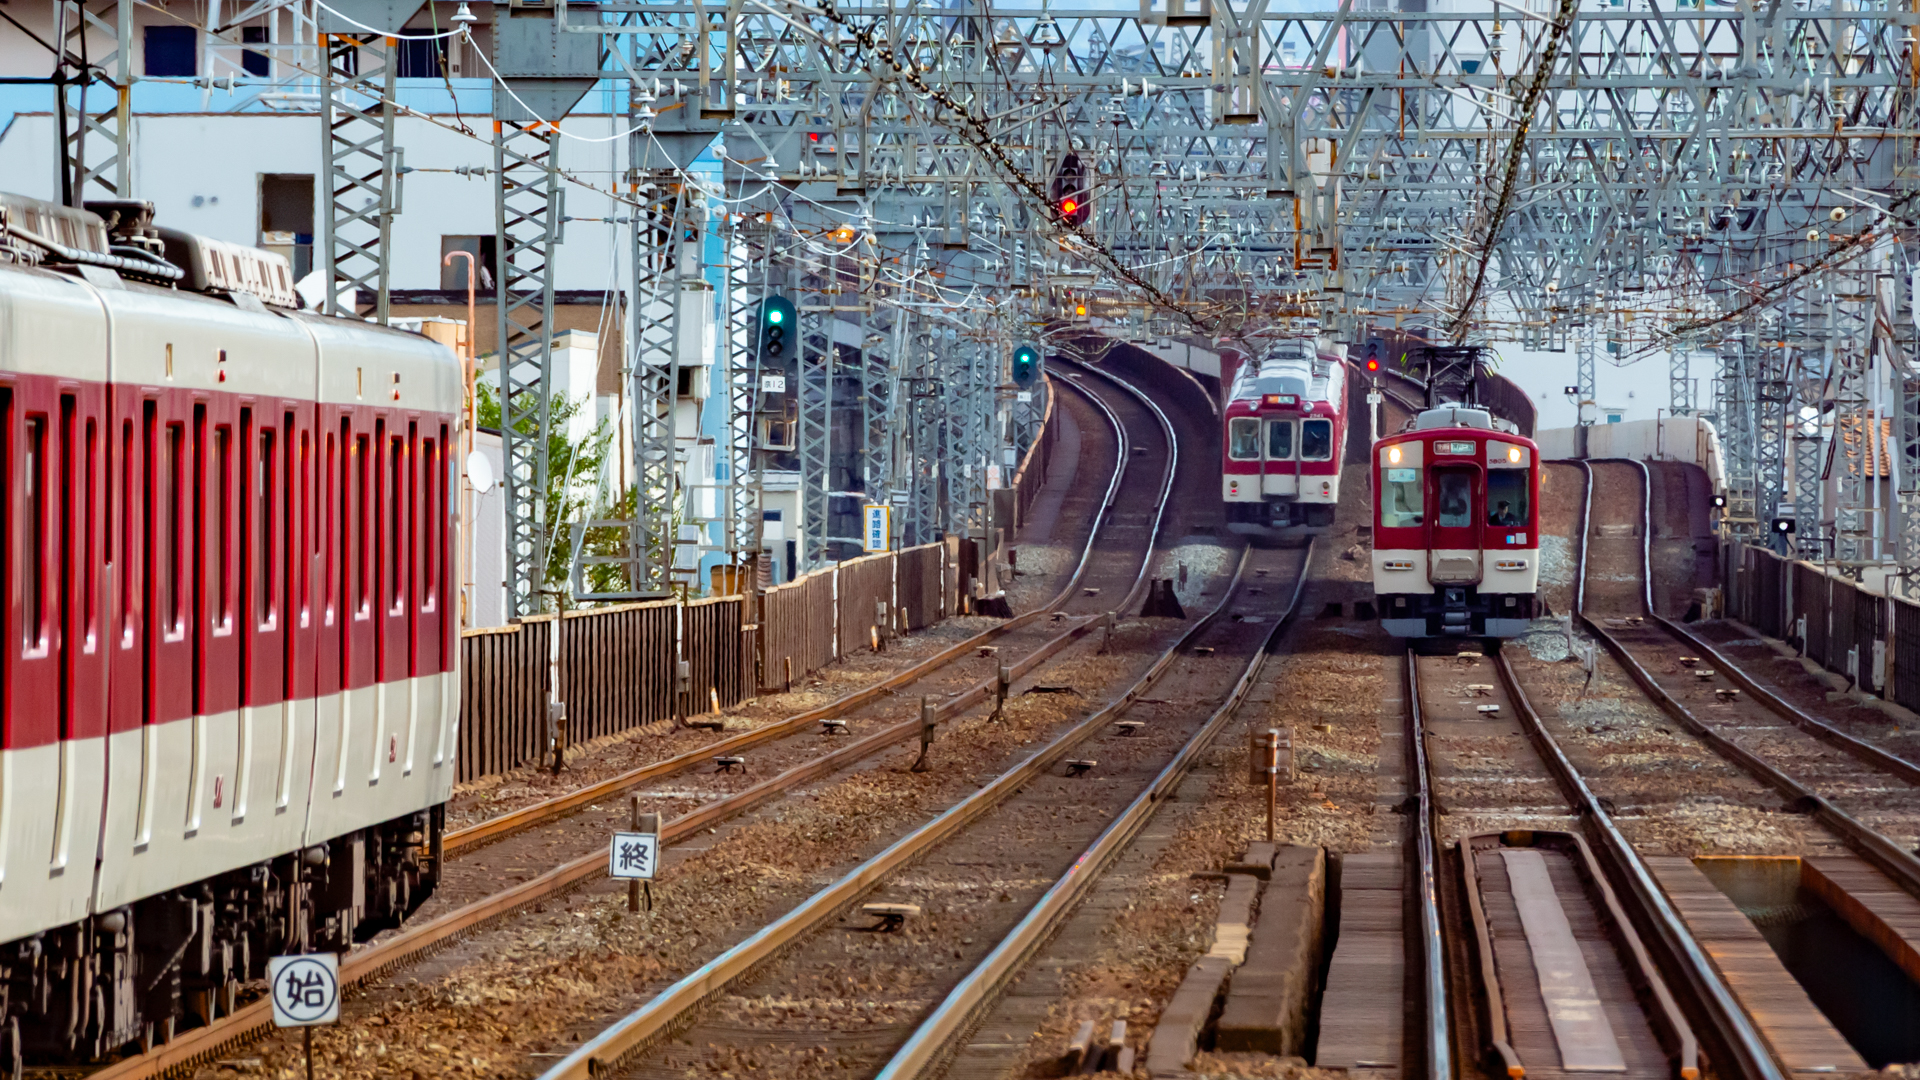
{"type": "Point", "coordinates": [228, 641]}
{"type": "Point", "coordinates": [1456, 526]}
{"type": "Point", "coordinates": [1285, 434]}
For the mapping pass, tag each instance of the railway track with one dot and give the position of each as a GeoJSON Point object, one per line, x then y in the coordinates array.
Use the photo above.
{"type": "Point", "coordinates": [1745, 1023]}
{"type": "Point", "coordinates": [1118, 555]}
{"type": "Point", "coordinates": [1544, 878]}
{"type": "Point", "coordinates": [994, 835]}
{"type": "Point", "coordinates": [1842, 781]}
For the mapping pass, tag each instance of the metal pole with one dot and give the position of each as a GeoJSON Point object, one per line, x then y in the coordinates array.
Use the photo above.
{"type": "Point", "coordinates": [1273, 778]}
{"type": "Point", "coordinates": [467, 364]}
{"type": "Point", "coordinates": [926, 733]}
{"type": "Point", "coordinates": [633, 824]}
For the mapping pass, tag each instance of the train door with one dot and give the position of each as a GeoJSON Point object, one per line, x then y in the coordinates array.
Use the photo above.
{"type": "Point", "coordinates": [53, 674]}
{"type": "Point", "coordinates": [1453, 548]}
{"type": "Point", "coordinates": [345, 661]}
{"type": "Point", "coordinates": [1282, 466]}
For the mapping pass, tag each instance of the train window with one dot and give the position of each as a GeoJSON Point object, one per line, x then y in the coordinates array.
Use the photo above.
{"type": "Point", "coordinates": [1401, 502]}
{"type": "Point", "coordinates": [194, 557]}
{"type": "Point", "coordinates": [125, 554]}
{"type": "Point", "coordinates": [1507, 498]}
{"type": "Point", "coordinates": [1243, 439]}
{"type": "Point", "coordinates": [1279, 440]}
{"type": "Point", "coordinates": [396, 518]}
{"type": "Point", "coordinates": [429, 521]}
{"type": "Point", "coordinates": [441, 511]}
{"type": "Point", "coordinates": [175, 545]}
{"type": "Point", "coordinates": [223, 518]}
{"type": "Point", "coordinates": [1316, 440]}
{"type": "Point", "coordinates": [32, 600]}
{"type": "Point", "coordinates": [1453, 489]}
{"type": "Point", "coordinates": [62, 638]}
{"type": "Point", "coordinates": [90, 602]}
{"type": "Point", "coordinates": [362, 477]}
{"type": "Point", "coordinates": [333, 493]}
{"type": "Point", "coordinates": [300, 526]}
{"type": "Point", "coordinates": [263, 485]}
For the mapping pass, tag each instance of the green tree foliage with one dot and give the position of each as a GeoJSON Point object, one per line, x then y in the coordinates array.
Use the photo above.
{"type": "Point", "coordinates": [573, 483]}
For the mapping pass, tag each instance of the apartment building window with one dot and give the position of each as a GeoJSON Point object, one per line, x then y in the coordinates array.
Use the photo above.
{"type": "Point", "coordinates": [256, 63]}
{"type": "Point", "coordinates": [172, 51]}
{"type": "Point", "coordinates": [286, 218]}
{"type": "Point", "coordinates": [454, 278]}
{"type": "Point", "coordinates": [421, 57]}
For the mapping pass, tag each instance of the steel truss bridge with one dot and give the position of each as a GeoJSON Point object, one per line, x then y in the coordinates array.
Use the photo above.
{"type": "Point", "coordinates": [1731, 184]}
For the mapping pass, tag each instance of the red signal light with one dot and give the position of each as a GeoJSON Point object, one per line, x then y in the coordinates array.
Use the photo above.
{"type": "Point", "coordinates": [1068, 206]}
{"type": "Point", "coordinates": [1373, 364]}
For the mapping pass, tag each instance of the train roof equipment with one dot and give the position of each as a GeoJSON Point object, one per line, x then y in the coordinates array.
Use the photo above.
{"type": "Point", "coordinates": [120, 236]}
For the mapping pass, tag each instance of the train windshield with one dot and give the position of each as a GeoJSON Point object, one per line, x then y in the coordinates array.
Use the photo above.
{"type": "Point", "coordinates": [1316, 440]}
{"type": "Point", "coordinates": [1243, 439]}
{"type": "Point", "coordinates": [1453, 488]}
{"type": "Point", "coordinates": [1279, 440]}
{"type": "Point", "coordinates": [1400, 499]}
{"type": "Point", "coordinates": [1507, 498]}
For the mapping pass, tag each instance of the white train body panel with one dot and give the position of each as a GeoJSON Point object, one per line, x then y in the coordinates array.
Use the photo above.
{"type": "Point", "coordinates": [166, 804]}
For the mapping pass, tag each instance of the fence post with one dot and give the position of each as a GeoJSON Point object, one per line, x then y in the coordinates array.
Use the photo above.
{"type": "Point", "coordinates": [1888, 634]}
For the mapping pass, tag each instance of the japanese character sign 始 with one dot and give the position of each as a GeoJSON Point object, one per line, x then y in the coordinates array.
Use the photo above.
{"type": "Point", "coordinates": [306, 989]}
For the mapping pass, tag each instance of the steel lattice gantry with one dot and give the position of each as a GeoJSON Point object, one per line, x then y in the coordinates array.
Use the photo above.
{"type": "Point", "coordinates": [1733, 181]}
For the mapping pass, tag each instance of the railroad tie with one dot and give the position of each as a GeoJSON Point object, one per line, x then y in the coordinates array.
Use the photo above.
{"type": "Point", "coordinates": [891, 916]}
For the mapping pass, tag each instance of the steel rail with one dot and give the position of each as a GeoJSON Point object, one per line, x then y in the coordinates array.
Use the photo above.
{"type": "Point", "coordinates": [615, 1047]}
{"type": "Point", "coordinates": [199, 1045]}
{"type": "Point", "coordinates": [1726, 1019]}
{"type": "Point", "coordinates": [497, 828]}
{"type": "Point", "coordinates": [937, 1038]}
{"type": "Point", "coordinates": [1166, 484]}
{"type": "Point", "coordinates": [1437, 1040]}
{"type": "Point", "coordinates": [1877, 756]}
{"type": "Point", "coordinates": [1878, 848]}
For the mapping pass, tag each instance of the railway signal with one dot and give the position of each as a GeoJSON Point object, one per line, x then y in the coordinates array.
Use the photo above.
{"type": "Point", "coordinates": [1071, 198]}
{"type": "Point", "coordinates": [774, 329]}
{"type": "Point", "coordinates": [1026, 365]}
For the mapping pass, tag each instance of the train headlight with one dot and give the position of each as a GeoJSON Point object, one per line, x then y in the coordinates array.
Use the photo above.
{"type": "Point", "coordinates": [1396, 564]}
{"type": "Point", "coordinates": [1393, 455]}
{"type": "Point", "coordinates": [1513, 454]}
{"type": "Point", "coordinates": [1510, 564]}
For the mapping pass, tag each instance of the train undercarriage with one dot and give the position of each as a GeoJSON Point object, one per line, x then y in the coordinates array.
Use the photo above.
{"type": "Point", "coordinates": [1280, 514]}
{"type": "Point", "coordinates": [1457, 611]}
{"type": "Point", "coordinates": [134, 975]}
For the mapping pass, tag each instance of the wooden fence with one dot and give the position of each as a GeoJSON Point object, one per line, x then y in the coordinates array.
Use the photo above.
{"type": "Point", "coordinates": [865, 600]}
{"type": "Point", "coordinates": [618, 665]}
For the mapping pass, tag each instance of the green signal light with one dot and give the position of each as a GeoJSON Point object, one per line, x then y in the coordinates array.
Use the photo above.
{"type": "Point", "coordinates": [775, 316]}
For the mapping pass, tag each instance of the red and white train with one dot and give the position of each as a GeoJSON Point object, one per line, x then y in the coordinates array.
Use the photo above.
{"type": "Point", "coordinates": [1285, 433]}
{"type": "Point", "coordinates": [228, 640]}
{"type": "Point", "coordinates": [1456, 526]}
